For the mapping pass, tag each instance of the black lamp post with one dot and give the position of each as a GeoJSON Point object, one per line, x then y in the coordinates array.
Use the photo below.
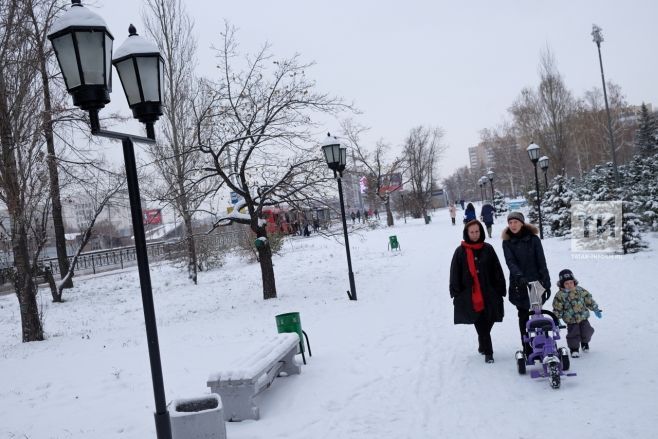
{"type": "Point", "coordinates": [336, 156]}
{"type": "Point", "coordinates": [598, 39]}
{"type": "Point", "coordinates": [490, 176]}
{"type": "Point", "coordinates": [83, 46]}
{"type": "Point", "coordinates": [480, 184]}
{"type": "Point", "coordinates": [543, 164]}
{"type": "Point", "coordinates": [533, 153]}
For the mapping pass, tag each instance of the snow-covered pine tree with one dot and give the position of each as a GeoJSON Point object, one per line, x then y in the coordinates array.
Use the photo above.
{"type": "Point", "coordinates": [640, 186]}
{"type": "Point", "coordinates": [556, 207]}
{"type": "Point", "coordinates": [646, 136]}
{"type": "Point", "coordinates": [631, 238]}
{"type": "Point", "coordinates": [533, 215]}
{"type": "Point", "coordinates": [500, 204]}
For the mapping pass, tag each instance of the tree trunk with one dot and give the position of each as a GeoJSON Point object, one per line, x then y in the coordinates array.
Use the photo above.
{"type": "Point", "coordinates": [192, 266]}
{"type": "Point", "coordinates": [266, 267]}
{"type": "Point", "coordinates": [26, 289]}
{"type": "Point", "coordinates": [23, 282]}
{"type": "Point", "coordinates": [389, 213]}
{"type": "Point", "coordinates": [58, 222]}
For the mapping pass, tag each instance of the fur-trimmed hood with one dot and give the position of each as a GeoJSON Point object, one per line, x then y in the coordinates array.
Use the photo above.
{"type": "Point", "coordinates": [526, 229]}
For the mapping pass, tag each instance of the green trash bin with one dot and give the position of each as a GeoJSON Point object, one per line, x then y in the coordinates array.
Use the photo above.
{"type": "Point", "coordinates": [290, 322]}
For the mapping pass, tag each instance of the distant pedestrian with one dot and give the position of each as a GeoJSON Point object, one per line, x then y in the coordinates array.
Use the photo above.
{"type": "Point", "coordinates": [462, 203]}
{"type": "Point", "coordinates": [366, 214]}
{"type": "Point", "coordinates": [353, 215]}
{"type": "Point", "coordinates": [453, 212]}
{"type": "Point", "coordinates": [358, 215]}
{"type": "Point", "coordinates": [487, 217]}
{"type": "Point", "coordinates": [469, 213]}
{"type": "Point", "coordinates": [376, 214]}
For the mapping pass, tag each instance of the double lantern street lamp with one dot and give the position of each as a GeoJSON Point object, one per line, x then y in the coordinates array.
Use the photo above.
{"type": "Point", "coordinates": [83, 46]}
{"type": "Point", "coordinates": [336, 156]}
{"type": "Point", "coordinates": [533, 153]}
{"type": "Point", "coordinates": [490, 175]}
{"type": "Point", "coordinates": [543, 164]}
{"type": "Point", "coordinates": [483, 187]}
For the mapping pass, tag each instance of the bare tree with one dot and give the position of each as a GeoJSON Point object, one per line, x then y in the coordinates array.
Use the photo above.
{"type": "Point", "coordinates": [23, 174]}
{"type": "Point", "coordinates": [96, 188]}
{"type": "Point", "coordinates": [510, 161]}
{"type": "Point", "coordinates": [42, 13]}
{"type": "Point", "coordinates": [542, 116]}
{"type": "Point", "coordinates": [177, 158]}
{"type": "Point", "coordinates": [377, 164]}
{"type": "Point", "coordinates": [259, 139]}
{"type": "Point", "coordinates": [422, 151]}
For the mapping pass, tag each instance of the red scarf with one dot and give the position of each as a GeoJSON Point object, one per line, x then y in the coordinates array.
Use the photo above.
{"type": "Point", "coordinates": [476, 292]}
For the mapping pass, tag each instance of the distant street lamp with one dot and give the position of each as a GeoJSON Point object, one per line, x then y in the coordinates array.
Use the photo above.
{"type": "Point", "coordinates": [336, 156]}
{"type": "Point", "coordinates": [533, 153]}
{"type": "Point", "coordinates": [404, 212]}
{"type": "Point", "coordinates": [598, 39]}
{"type": "Point", "coordinates": [543, 164]}
{"type": "Point", "coordinates": [83, 46]}
{"type": "Point", "coordinates": [490, 176]}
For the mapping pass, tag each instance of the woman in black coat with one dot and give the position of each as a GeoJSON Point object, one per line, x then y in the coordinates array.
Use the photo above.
{"type": "Point", "coordinates": [525, 259]}
{"type": "Point", "coordinates": [477, 286]}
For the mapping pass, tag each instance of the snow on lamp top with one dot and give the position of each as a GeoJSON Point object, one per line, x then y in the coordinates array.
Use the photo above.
{"type": "Point", "coordinates": [135, 45]}
{"type": "Point", "coordinates": [78, 16]}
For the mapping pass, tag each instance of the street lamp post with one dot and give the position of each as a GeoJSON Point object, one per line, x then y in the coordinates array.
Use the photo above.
{"type": "Point", "coordinates": [481, 193]}
{"type": "Point", "coordinates": [543, 164]}
{"type": "Point", "coordinates": [336, 156]}
{"type": "Point", "coordinates": [404, 211]}
{"type": "Point", "coordinates": [598, 39]}
{"type": "Point", "coordinates": [533, 153]}
{"type": "Point", "coordinates": [83, 46]}
{"type": "Point", "coordinates": [490, 176]}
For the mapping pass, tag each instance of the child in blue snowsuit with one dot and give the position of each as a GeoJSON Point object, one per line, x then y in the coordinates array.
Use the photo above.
{"type": "Point", "coordinates": [572, 304]}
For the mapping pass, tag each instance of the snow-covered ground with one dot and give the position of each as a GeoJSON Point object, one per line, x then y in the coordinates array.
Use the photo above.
{"type": "Point", "coordinates": [390, 365]}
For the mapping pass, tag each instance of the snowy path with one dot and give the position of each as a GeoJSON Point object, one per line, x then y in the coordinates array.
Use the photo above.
{"type": "Point", "coordinates": [390, 365]}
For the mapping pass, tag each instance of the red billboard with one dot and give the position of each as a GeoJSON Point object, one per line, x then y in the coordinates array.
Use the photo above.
{"type": "Point", "coordinates": [152, 216]}
{"type": "Point", "coordinates": [390, 182]}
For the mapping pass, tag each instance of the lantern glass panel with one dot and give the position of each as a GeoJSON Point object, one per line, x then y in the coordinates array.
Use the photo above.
{"type": "Point", "coordinates": [343, 156]}
{"type": "Point", "coordinates": [161, 76]}
{"type": "Point", "coordinates": [90, 46]}
{"type": "Point", "coordinates": [108, 61]}
{"type": "Point", "coordinates": [329, 154]}
{"type": "Point", "coordinates": [128, 78]}
{"type": "Point", "coordinates": [148, 75]}
{"type": "Point", "coordinates": [66, 55]}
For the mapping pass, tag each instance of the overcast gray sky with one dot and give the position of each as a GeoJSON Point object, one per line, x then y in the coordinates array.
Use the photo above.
{"type": "Point", "coordinates": [458, 65]}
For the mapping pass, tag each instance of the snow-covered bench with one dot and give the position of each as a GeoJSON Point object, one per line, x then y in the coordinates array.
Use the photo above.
{"type": "Point", "coordinates": [254, 373]}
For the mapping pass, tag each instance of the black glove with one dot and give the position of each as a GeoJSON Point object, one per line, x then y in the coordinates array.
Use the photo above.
{"type": "Point", "coordinates": [545, 296]}
{"type": "Point", "coordinates": [521, 283]}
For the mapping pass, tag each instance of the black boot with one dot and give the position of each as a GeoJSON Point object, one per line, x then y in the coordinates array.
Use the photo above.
{"type": "Point", "coordinates": [488, 358]}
